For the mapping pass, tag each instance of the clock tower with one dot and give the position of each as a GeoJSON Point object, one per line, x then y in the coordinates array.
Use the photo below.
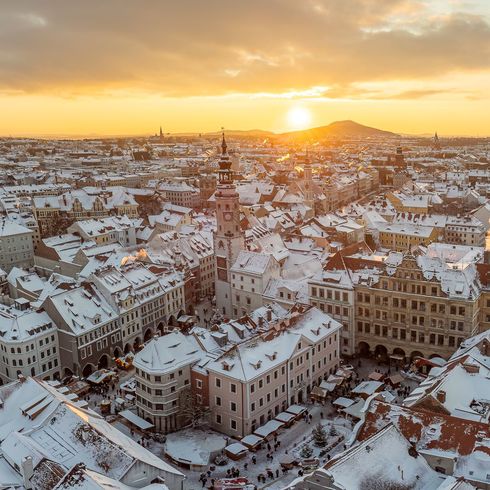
{"type": "Point", "coordinates": [228, 238]}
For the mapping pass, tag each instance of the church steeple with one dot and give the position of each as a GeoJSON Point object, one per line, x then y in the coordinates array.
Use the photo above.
{"type": "Point", "coordinates": [223, 144]}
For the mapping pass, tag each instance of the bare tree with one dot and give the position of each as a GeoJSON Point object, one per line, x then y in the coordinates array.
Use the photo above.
{"type": "Point", "coordinates": [191, 408]}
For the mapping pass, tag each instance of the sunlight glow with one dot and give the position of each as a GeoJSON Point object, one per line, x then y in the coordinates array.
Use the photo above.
{"type": "Point", "coordinates": [299, 117]}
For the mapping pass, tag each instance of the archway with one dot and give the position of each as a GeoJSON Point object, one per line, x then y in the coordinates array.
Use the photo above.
{"type": "Point", "coordinates": [300, 396]}
{"type": "Point", "coordinates": [399, 352]}
{"type": "Point", "coordinates": [172, 321]}
{"type": "Point", "coordinates": [103, 362]}
{"type": "Point", "coordinates": [137, 344]}
{"type": "Point", "coordinates": [416, 354]}
{"type": "Point", "coordinates": [381, 352]}
{"type": "Point", "coordinates": [87, 370]}
{"type": "Point", "coordinates": [127, 348]}
{"type": "Point", "coordinates": [117, 352]}
{"type": "Point", "coordinates": [363, 349]}
{"type": "Point", "coordinates": [148, 334]}
{"type": "Point", "coordinates": [161, 328]}
{"type": "Point", "coordinates": [67, 372]}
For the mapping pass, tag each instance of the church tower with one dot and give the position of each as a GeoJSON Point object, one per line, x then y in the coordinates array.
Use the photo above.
{"type": "Point", "coordinates": [309, 195]}
{"type": "Point", "coordinates": [228, 238]}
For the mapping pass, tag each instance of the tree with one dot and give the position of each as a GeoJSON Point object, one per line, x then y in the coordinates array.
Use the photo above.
{"type": "Point", "coordinates": [306, 451]}
{"type": "Point", "coordinates": [333, 431]}
{"type": "Point", "coordinates": [320, 436]}
{"type": "Point", "coordinates": [191, 408]}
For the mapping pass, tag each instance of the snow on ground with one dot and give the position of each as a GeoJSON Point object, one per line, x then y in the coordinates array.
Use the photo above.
{"type": "Point", "coordinates": [292, 439]}
{"type": "Point", "coordinates": [194, 446]}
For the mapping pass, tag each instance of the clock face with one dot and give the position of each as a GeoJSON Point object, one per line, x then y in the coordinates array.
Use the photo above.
{"type": "Point", "coordinates": [228, 216]}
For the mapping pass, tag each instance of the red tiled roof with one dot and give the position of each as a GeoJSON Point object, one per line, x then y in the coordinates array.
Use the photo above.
{"type": "Point", "coordinates": [484, 272]}
{"type": "Point", "coordinates": [451, 433]}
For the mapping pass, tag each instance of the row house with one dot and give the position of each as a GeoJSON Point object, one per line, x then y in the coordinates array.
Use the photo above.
{"type": "Point", "coordinates": [194, 252]}
{"type": "Point", "coordinates": [146, 302]}
{"type": "Point", "coordinates": [82, 204]}
{"type": "Point", "coordinates": [88, 329]}
{"type": "Point", "coordinates": [407, 306]}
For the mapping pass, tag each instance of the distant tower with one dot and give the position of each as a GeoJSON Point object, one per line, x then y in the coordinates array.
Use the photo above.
{"type": "Point", "coordinates": [399, 158]}
{"type": "Point", "coordinates": [309, 197]}
{"type": "Point", "coordinates": [437, 144]}
{"type": "Point", "coordinates": [162, 137]}
{"type": "Point", "coordinates": [228, 238]}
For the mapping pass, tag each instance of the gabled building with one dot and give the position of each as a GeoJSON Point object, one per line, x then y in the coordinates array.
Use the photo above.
{"type": "Point", "coordinates": [44, 434]}
{"type": "Point", "coordinates": [250, 275]}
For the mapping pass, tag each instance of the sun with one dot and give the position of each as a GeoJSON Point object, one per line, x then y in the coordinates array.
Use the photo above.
{"type": "Point", "coordinates": [299, 117]}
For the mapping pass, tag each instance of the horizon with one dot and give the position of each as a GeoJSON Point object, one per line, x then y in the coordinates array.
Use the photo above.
{"type": "Point", "coordinates": [230, 131]}
{"type": "Point", "coordinates": [410, 67]}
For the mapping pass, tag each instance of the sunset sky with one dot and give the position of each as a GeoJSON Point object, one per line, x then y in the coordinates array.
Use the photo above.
{"type": "Point", "coordinates": [118, 67]}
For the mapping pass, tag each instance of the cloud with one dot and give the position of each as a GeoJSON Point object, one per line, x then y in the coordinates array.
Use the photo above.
{"type": "Point", "coordinates": [191, 48]}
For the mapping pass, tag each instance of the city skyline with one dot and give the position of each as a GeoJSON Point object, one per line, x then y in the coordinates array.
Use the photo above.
{"type": "Point", "coordinates": [125, 69]}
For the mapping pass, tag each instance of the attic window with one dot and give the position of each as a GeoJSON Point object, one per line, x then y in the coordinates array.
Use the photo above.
{"type": "Point", "coordinates": [256, 364]}
{"type": "Point", "coordinates": [227, 366]}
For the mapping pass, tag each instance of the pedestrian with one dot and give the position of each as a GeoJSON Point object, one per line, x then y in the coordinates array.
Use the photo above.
{"type": "Point", "coordinates": [209, 473]}
{"type": "Point", "coordinates": [321, 415]}
{"type": "Point", "coordinates": [254, 459]}
{"type": "Point", "coordinates": [245, 466]}
{"type": "Point", "coordinates": [204, 481]}
{"type": "Point", "coordinates": [277, 473]}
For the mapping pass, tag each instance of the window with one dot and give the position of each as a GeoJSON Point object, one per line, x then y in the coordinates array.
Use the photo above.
{"type": "Point", "coordinates": [233, 424]}
{"type": "Point", "coordinates": [218, 383]}
{"type": "Point", "coordinates": [218, 418]}
{"type": "Point", "coordinates": [218, 401]}
{"type": "Point", "coordinates": [233, 387]}
{"type": "Point", "coordinates": [233, 406]}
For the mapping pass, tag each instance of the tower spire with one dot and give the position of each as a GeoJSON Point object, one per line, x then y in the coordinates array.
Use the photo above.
{"type": "Point", "coordinates": [223, 142]}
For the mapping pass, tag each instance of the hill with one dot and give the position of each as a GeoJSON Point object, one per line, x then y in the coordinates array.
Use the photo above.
{"type": "Point", "coordinates": [242, 132]}
{"type": "Point", "coordinates": [338, 129]}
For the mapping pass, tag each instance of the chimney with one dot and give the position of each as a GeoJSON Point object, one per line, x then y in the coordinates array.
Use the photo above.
{"type": "Point", "coordinates": [27, 472]}
{"type": "Point", "coordinates": [441, 396]}
{"type": "Point", "coordinates": [269, 314]}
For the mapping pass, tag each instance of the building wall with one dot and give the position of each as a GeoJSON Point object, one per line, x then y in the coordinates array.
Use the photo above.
{"type": "Point", "coordinates": [16, 251]}
{"type": "Point", "coordinates": [411, 315]}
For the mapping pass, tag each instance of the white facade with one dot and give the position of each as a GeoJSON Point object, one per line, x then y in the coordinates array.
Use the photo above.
{"type": "Point", "coordinates": [250, 275]}
{"type": "Point", "coordinates": [28, 344]}
{"type": "Point", "coordinates": [16, 245]}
